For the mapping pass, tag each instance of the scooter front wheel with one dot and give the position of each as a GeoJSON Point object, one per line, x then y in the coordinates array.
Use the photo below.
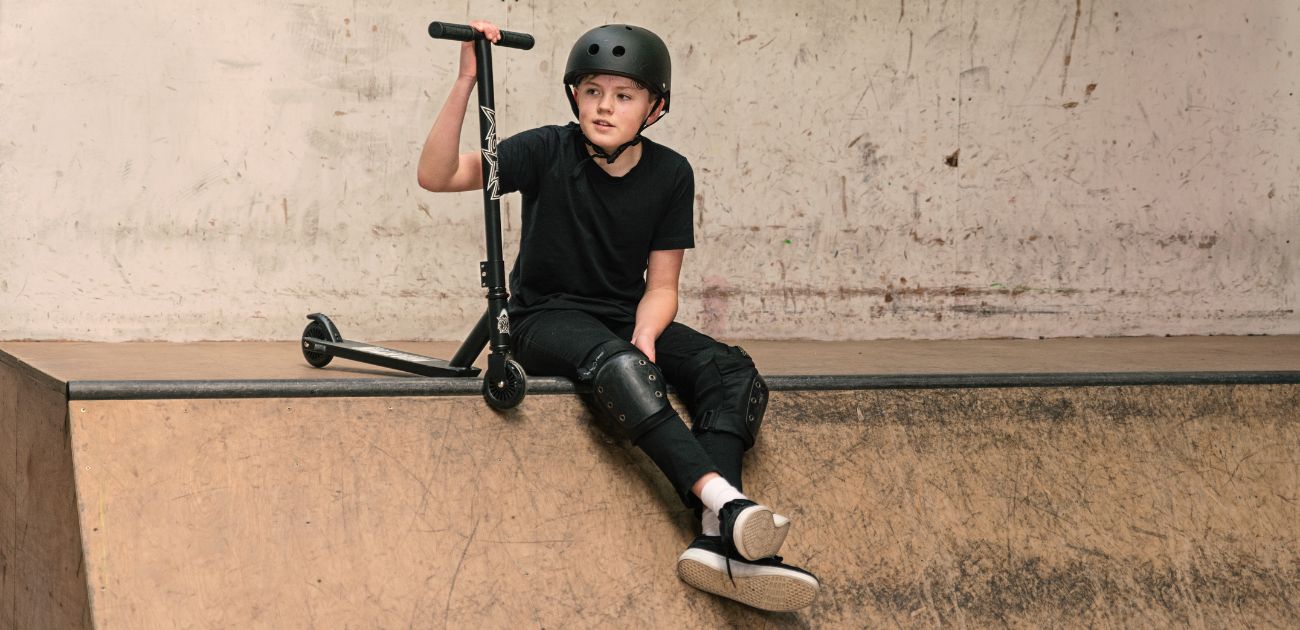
{"type": "Point", "coordinates": [315, 330]}
{"type": "Point", "coordinates": [506, 387]}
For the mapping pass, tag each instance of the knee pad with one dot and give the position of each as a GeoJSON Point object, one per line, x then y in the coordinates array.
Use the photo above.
{"type": "Point", "coordinates": [727, 394]}
{"type": "Point", "coordinates": [628, 390]}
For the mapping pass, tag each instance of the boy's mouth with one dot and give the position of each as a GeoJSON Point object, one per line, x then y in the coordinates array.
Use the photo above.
{"type": "Point", "coordinates": [602, 123]}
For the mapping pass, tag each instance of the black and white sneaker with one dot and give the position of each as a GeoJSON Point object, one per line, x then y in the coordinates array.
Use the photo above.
{"type": "Point", "coordinates": [766, 584]}
{"type": "Point", "coordinates": [753, 531]}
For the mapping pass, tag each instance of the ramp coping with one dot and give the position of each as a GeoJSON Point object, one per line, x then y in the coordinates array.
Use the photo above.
{"type": "Point", "coordinates": [548, 385]}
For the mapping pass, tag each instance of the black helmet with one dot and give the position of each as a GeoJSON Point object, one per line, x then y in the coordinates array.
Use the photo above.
{"type": "Point", "coordinates": [624, 50]}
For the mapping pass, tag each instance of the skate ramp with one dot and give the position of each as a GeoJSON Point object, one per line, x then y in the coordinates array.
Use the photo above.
{"type": "Point", "coordinates": [1107, 506]}
{"type": "Point", "coordinates": [42, 573]}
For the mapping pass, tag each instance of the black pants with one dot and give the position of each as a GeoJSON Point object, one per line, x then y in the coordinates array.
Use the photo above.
{"type": "Point", "coordinates": [558, 343]}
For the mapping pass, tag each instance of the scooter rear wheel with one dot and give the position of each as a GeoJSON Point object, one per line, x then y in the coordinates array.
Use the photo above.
{"type": "Point", "coordinates": [505, 390]}
{"type": "Point", "coordinates": [315, 330]}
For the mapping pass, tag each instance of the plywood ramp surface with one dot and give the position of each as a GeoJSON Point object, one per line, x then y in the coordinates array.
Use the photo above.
{"type": "Point", "coordinates": [42, 577]}
{"type": "Point", "coordinates": [1113, 507]}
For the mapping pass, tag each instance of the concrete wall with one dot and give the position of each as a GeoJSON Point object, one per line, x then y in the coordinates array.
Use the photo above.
{"type": "Point", "coordinates": [902, 168]}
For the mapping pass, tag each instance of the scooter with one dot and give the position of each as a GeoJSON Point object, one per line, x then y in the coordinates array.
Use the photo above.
{"type": "Point", "coordinates": [505, 383]}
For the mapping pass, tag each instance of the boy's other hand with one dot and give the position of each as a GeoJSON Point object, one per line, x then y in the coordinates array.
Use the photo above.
{"type": "Point", "coordinates": [468, 69]}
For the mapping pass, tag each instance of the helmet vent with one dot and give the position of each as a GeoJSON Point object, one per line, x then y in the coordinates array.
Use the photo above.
{"type": "Point", "coordinates": [593, 49]}
{"type": "Point", "coordinates": [628, 27]}
{"type": "Point", "coordinates": [618, 51]}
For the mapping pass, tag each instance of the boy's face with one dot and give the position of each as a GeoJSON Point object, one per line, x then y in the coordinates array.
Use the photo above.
{"type": "Point", "coordinates": [611, 109]}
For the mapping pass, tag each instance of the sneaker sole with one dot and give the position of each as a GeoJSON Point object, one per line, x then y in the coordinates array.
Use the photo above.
{"type": "Point", "coordinates": [766, 588]}
{"type": "Point", "coordinates": [759, 534]}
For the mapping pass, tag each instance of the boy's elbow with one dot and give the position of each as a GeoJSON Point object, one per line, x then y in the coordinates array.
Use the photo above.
{"type": "Point", "coordinates": [429, 183]}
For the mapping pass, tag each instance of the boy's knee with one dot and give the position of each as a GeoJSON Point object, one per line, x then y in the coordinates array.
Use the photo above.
{"type": "Point", "coordinates": [728, 394]}
{"type": "Point", "coordinates": [628, 390]}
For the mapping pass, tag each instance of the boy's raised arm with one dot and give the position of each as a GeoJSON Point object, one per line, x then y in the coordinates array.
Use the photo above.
{"type": "Point", "coordinates": [442, 167]}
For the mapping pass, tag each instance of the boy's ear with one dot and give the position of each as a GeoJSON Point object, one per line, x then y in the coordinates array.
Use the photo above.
{"type": "Point", "coordinates": [656, 113]}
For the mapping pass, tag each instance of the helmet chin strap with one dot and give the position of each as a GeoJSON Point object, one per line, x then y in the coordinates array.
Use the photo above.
{"type": "Point", "coordinates": [597, 152]}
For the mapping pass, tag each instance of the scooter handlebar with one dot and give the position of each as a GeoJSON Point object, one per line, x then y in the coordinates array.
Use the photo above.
{"type": "Point", "coordinates": [463, 33]}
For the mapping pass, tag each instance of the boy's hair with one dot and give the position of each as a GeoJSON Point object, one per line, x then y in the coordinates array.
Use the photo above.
{"type": "Point", "coordinates": [580, 78]}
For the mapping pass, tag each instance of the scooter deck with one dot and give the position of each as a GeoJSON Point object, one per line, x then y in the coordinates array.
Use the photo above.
{"type": "Point", "coordinates": [389, 358]}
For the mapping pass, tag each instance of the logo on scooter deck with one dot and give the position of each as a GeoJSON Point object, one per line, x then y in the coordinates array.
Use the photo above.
{"type": "Point", "coordinates": [490, 153]}
{"type": "Point", "coordinates": [394, 354]}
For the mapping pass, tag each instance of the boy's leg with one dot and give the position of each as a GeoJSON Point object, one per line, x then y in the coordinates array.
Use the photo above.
{"type": "Point", "coordinates": [630, 393]}
{"type": "Point", "coordinates": [576, 345]}
{"type": "Point", "coordinates": [722, 389]}
{"type": "Point", "coordinates": [727, 398]}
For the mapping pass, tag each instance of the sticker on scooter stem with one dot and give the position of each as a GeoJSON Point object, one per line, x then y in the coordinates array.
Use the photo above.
{"type": "Point", "coordinates": [503, 323]}
{"type": "Point", "coordinates": [490, 153]}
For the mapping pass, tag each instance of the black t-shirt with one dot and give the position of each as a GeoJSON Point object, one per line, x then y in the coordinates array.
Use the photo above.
{"type": "Point", "coordinates": [587, 235]}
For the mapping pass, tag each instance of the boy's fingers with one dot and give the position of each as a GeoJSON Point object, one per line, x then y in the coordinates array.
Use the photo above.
{"type": "Point", "coordinates": [488, 29]}
{"type": "Point", "coordinates": [648, 349]}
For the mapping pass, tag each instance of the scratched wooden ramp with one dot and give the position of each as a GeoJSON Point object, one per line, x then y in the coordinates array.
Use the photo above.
{"type": "Point", "coordinates": [1103, 506]}
{"type": "Point", "coordinates": [1092, 506]}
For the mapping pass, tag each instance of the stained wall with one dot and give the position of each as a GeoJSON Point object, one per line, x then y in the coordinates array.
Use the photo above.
{"type": "Point", "coordinates": [927, 169]}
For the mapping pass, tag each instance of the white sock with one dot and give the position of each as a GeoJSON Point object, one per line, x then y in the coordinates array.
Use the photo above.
{"type": "Point", "coordinates": [709, 524]}
{"type": "Point", "coordinates": [717, 493]}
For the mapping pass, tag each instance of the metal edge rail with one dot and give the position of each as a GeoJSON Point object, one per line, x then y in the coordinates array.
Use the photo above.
{"type": "Point", "coordinates": [294, 388]}
{"type": "Point", "coordinates": [407, 386]}
{"type": "Point", "coordinates": [1028, 379]}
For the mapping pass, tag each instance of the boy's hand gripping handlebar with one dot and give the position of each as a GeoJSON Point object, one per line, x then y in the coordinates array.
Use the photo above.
{"type": "Point", "coordinates": [463, 33]}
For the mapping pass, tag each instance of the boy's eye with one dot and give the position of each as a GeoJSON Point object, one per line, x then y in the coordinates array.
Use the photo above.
{"type": "Point", "coordinates": [624, 97]}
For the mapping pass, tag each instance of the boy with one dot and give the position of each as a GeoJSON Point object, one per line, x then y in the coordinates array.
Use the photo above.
{"type": "Point", "coordinates": [607, 217]}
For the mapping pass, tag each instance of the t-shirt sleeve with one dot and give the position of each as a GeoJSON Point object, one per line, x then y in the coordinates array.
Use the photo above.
{"type": "Point", "coordinates": [521, 158]}
{"type": "Point", "coordinates": [677, 230]}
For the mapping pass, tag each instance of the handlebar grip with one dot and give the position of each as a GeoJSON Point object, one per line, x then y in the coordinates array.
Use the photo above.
{"type": "Point", "coordinates": [511, 39]}
{"type": "Point", "coordinates": [445, 30]}
{"type": "Point", "coordinates": [463, 33]}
